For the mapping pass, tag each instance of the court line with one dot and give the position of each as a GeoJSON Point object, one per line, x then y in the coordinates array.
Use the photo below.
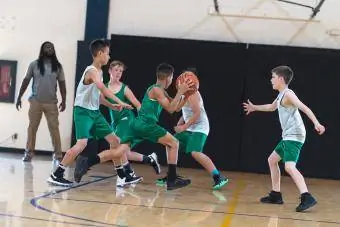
{"type": "Point", "coordinates": [34, 202]}
{"type": "Point", "coordinates": [41, 219]}
{"type": "Point", "coordinates": [199, 210]}
{"type": "Point", "coordinates": [240, 185]}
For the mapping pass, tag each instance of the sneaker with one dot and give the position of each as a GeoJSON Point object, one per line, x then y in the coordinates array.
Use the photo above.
{"type": "Point", "coordinates": [178, 183]}
{"type": "Point", "coordinates": [81, 168]}
{"type": "Point", "coordinates": [162, 181]}
{"type": "Point", "coordinates": [273, 198]}
{"type": "Point", "coordinates": [121, 182]}
{"type": "Point", "coordinates": [27, 156]}
{"type": "Point", "coordinates": [154, 163]}
{"type": "Point", "coordinates": [307, 201]}
{"type": "Point", "coordinates": [220, 182]}
{"type": "Point", "coordinates": [60, 181]}
{"type": "Point", "coordinates": [133, 174]}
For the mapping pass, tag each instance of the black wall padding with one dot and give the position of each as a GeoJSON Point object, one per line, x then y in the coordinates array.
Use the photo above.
{"type": "Point", "coordinates": [221, 86]}
{"type": "Point", "coordinates": [316, 84]}
{"type": "Point", "coordinates": [230, 73]}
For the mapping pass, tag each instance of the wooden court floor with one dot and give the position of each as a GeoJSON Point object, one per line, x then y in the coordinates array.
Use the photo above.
{"type": "Point", "coordinates": [26, 200]}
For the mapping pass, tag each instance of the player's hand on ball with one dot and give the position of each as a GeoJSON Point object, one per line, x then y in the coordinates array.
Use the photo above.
{"type": "Point", "coordinates": [186, 86]}
{"type": "Point", "coordinates": [248, 107]}
{"type": "Point", "coordinates": [319, 128]}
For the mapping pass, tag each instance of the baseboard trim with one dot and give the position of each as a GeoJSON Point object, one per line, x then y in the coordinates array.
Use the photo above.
{"type": "Point", "coordinates": [21, 151]}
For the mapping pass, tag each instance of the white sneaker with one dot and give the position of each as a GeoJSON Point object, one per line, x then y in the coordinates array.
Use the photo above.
{"type": "Point", "coordinates": [121, 182]}
{"type": "Point", "coordinates": [154, 163]}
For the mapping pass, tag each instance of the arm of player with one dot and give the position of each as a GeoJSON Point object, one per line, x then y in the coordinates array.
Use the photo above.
{"type": "Point", "coordinates": [181, 103]}
{"type": "Point", "coordinates": [294, 100]}
{"type": "Point", "coordinates": [106, 103]}
{"type": "Point", "coordinates": [250, 107]}
{"type": "Point", "coordinates": [160, 96]}
{"type": "Point", "coordinates": [132, 98]}
{"type": "Point", "coordinates": [196, 110]}
{"type": "Point", "coordinates": [93, 75]}
{"type": "Point", "coordinates": [180, 121]}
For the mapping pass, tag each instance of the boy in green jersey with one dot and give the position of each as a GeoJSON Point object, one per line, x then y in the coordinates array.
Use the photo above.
{"type": "Point", "coordinates": [145, 126]}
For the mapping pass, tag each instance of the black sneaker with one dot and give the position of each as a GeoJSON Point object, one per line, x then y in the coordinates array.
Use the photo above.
{"type": "Point", "coordinates": [273, 198]}
{"type": "Point", "coordinates": [307, 201]}
{"type": "Point", "coordinates": [178, 183]}
{"type": "Point", "coordinates": [81, 168]}
{"type": "Point", "coordinates": [220, 182]}
{"type": "Point", "coordinates": [133, 179]}
{"type": "Point", "coordinates": [154, 163]}
{"type": "Point", "coordinates": [60, 181]}
{"type": "Point", "coordinates": [162, 181]}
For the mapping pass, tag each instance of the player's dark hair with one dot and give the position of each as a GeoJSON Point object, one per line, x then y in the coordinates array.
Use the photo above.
{"type": "Point", "coordinates": [285, 72]}
{"type": "Point", "coordinates": [164, 70]}
{"type": "Point", "coordinates": [98, 45]}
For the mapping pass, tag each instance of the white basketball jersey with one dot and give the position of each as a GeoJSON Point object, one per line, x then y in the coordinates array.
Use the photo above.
{"type": "Point", "coordinates": [202, 123]}
{"type": "Point", "coordinates": [88, 96]}
{"type": "Point", "coordinates": [291, 122]}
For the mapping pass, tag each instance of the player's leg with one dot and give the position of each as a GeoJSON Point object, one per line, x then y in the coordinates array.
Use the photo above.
{"type": "Point", "coordinates": [155, 133]}
{"type": "Point", "coordinates": [292, 152]}
{"type": "Point", "coordinates": [122, 130]}
{"type": "Point", "coordinates": [195, 145]}
{"type": "Point", "coordinates": [275, 195]}
{"type": "Point", "coordinates": [125, 172]}
{"type": "Point", "coordinates": [83, 124]}
{"type": "Point", "coordinates": [101, 129]}
{"type": "Point", "coordinates": [151, 159]}
{"type": "Point", "coordinates": [172, 146]}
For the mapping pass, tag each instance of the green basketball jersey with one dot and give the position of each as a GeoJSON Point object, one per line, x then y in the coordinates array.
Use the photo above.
{"type": "Point", "coordinates": [115, 115]}
{"type": "Point", "coordinates": [150, 109]}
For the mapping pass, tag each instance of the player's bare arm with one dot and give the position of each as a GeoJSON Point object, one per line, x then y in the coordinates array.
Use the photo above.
{"type": "Point", "coordinates": [180, 121]}
{"type": "Point", "coordinates": [250, 107]}
{"type": "Point", "coordinates": [181, 103]}
{"type": "Point", "coordinates": [159, 95]}
{"type": "Point", "coordinates": [290, 99]}
{"type": "Point", "coordinates": [93, 77]}
{"type": "Point", "coordinates": [193, 101]}
{"type": "Point", "coordinates": [106, 103]}
{"type": "Point", "coordinates": [132, 98]}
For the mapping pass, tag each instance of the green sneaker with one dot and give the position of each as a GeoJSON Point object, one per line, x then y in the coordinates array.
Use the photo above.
{"type": "Point", "coordinates": [220, 183]}
{"type": "Point", "coordinates": [161, 181]}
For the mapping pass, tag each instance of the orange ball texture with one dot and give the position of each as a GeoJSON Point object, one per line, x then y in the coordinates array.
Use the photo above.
{"type": "Point", "coordinates": [191, 76]}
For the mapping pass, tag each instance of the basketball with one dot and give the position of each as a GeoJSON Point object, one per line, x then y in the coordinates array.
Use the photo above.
{"type": "Point", "coordinates": [191, 76]}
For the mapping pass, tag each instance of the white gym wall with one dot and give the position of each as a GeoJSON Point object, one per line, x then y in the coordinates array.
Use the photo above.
{"type": "Point", "coordinates": [24, 26]}
{"type": "Point", "coordinates": [246, 21]}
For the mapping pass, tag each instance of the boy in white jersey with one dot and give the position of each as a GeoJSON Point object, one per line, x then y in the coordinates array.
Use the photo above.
{"type": "Point", "coordinates": [88, 120]}
{"type": "Point", "coordinates": [192, 131]}
{"type": "Point", "coordinates": [293, 137]}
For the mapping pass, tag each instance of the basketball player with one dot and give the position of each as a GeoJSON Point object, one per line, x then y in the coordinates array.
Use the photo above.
{"type": "Point", "coordinates": [293, 137]}
{"type": "Point", "coordinates": [88, 120]}
{"type": "Point", "coordinates": [192, 131]}
{"type": "Point", "coordinates": [145, 127]}
{"type": "Point", "coordinates": [122, 119]}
